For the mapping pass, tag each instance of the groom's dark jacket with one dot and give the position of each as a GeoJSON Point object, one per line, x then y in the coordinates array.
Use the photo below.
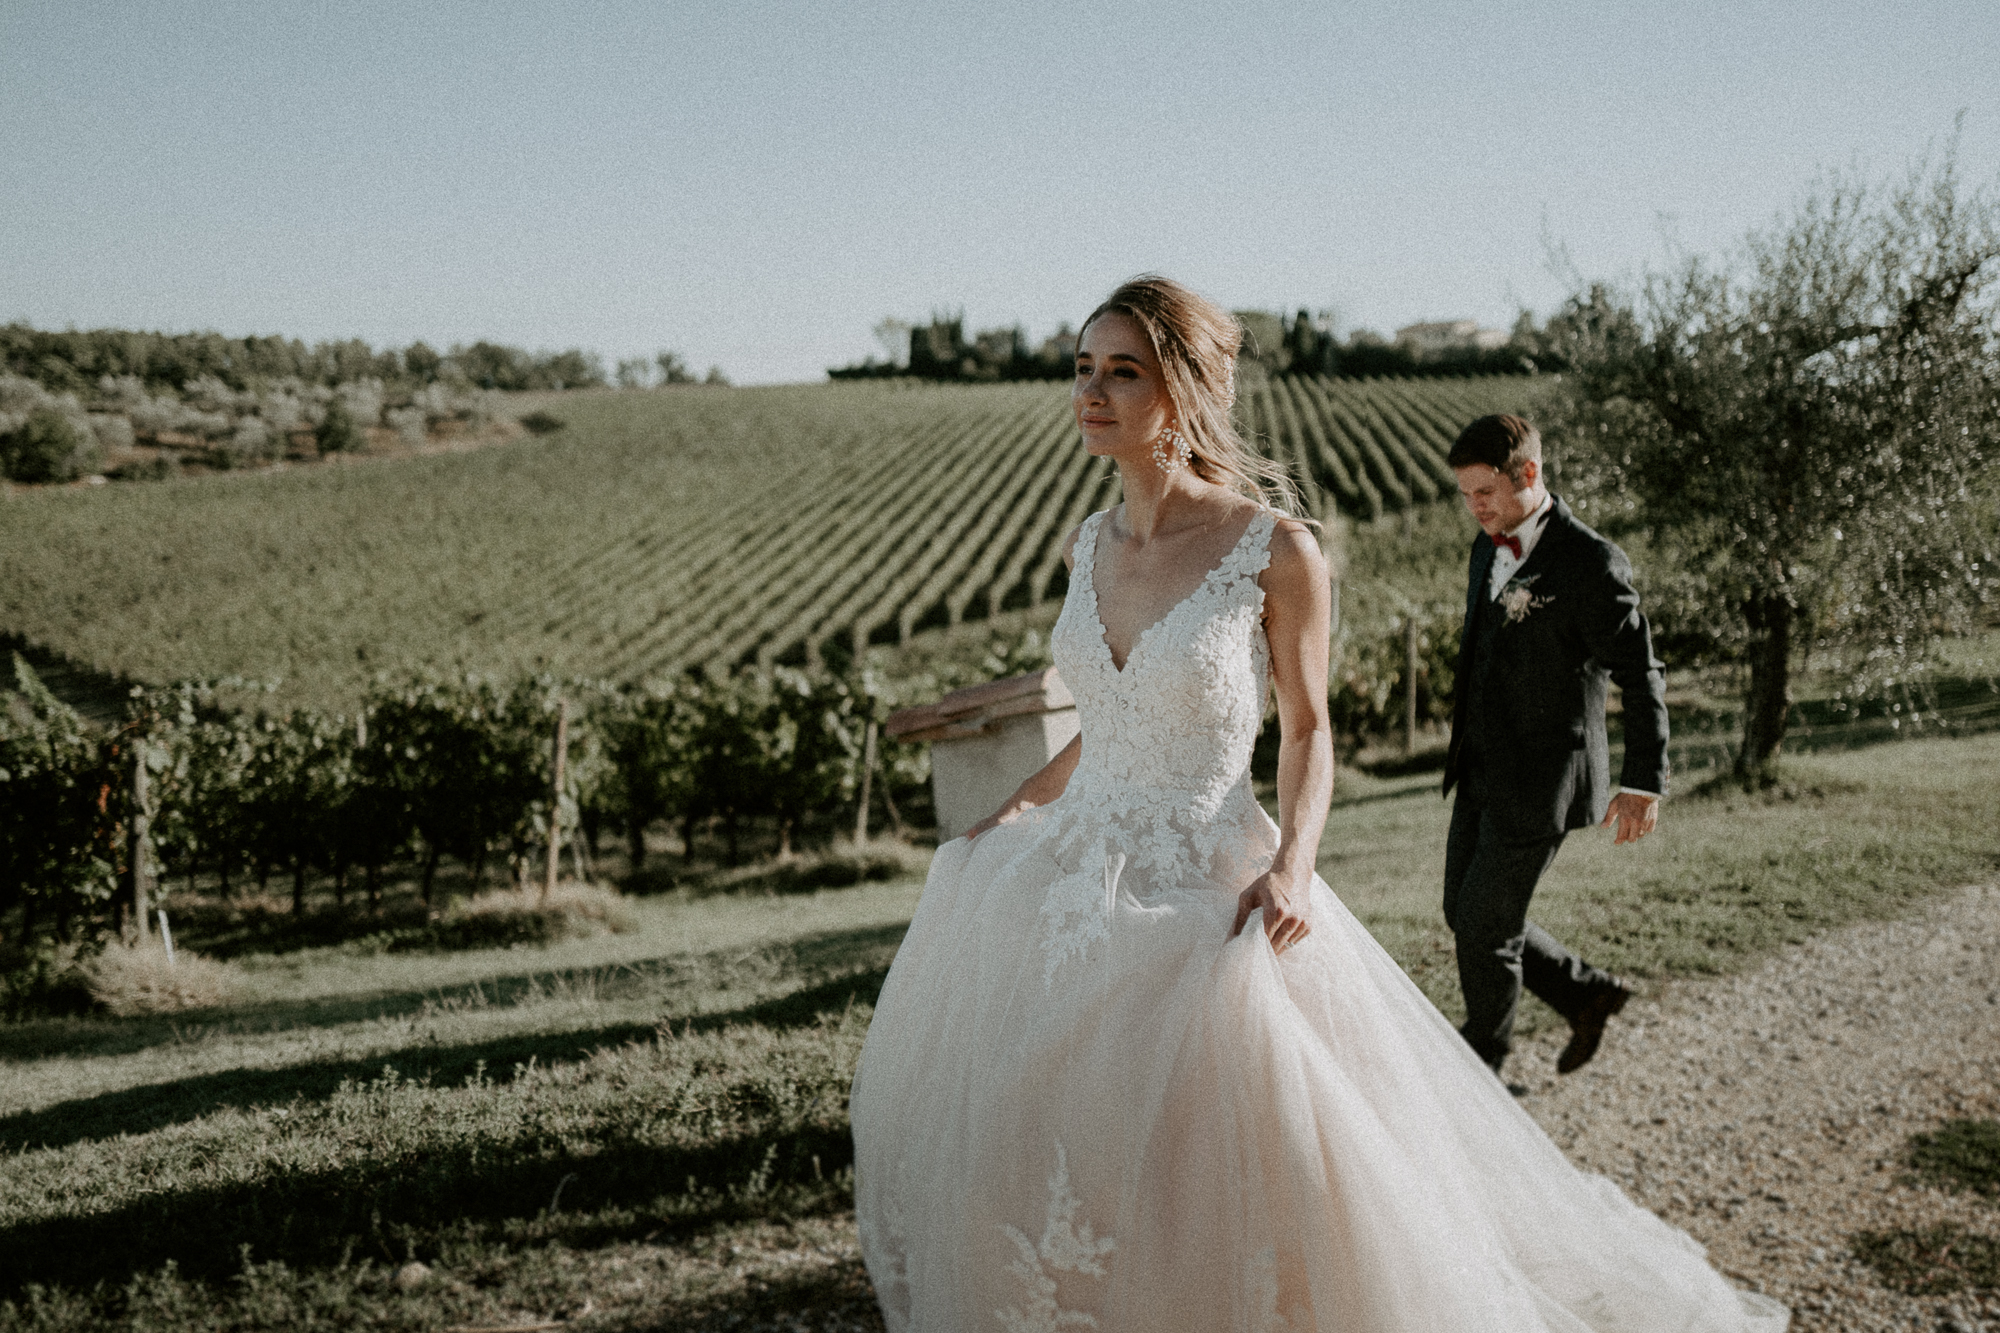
{"type": "Point", "coordinates": [1574, 624]}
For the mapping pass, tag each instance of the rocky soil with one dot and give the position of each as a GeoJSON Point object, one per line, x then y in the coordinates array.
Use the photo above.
{"type": "Point", "coordinates": [1766, 1113]}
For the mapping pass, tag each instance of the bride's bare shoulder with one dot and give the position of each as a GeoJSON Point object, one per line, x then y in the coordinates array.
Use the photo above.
{"type": "Point", "coordinates": [1297, 562]}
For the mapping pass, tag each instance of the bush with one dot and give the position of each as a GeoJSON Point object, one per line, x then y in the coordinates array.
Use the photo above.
{"type": "Point", "coordinates": [543, 423]}
{"type": "Point", "coordinates": [844, 868]}
{"type": "Point", "coordinates": [129, 982]}
{"type": "Point", "coordinates": [337, 433]}
{"type": "Point", "coordinates": [250, 442]}
{"type": "Point", "coordinates": [1368, 682]}
{"type": "Point", "coordinates": [46, 447]}
{"type": "Point", "coordinates": [61, 804]}
{"type": "Point", "coordinates": [464, 762]}
{"type": "Point", "coordinates": [408, 423]}
{"type": "Point", "coordinates": [507, 916]}
{"type": "Point", "coordinates": [41, 979]}
{"type": "Point", "coordinates": [113, 432]}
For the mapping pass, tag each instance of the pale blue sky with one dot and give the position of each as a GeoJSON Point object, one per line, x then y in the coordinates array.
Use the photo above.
{"type": "Point", "coordinates": [757, 184]}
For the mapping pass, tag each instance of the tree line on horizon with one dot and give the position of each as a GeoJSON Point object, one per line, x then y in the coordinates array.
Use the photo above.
{"type": "Point", "coordinates": [76, 361]}
{"type": "Point", "coordinates": [1274, 344]}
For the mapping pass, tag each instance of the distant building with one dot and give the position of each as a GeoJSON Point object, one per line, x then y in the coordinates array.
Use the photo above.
{"type": "Point", "coordinates": [1059, 348]}
{"type": "Point", "coordinates": [1449, 335]}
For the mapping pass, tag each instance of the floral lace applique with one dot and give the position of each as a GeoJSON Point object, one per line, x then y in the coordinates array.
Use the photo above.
{"type": "Point", "coordinates": [886, 1237]}
{"type": "Point", "coordinates": [1077, 913]}
{"type": "Point", "coordinates": [1064, 1248]}
{"type": "Point", "coordinates": [1162, 795]}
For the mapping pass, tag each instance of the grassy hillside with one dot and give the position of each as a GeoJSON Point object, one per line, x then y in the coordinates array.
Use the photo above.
{"type": "Point", "coordinates": [655, 530]}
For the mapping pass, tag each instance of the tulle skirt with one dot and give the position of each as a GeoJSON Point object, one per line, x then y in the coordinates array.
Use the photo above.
{"type": "Point", "coordinates": [1174, 1129]}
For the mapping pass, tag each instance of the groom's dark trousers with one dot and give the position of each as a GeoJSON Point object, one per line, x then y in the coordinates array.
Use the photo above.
{"type": "Point", "coordinates": [1530, 759]}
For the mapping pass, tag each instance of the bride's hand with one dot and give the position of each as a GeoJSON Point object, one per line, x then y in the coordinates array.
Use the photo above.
{"type": "Point", "coordinates": [1006, 814]}
{"type": "Point", "coordinates": [1285, 905]}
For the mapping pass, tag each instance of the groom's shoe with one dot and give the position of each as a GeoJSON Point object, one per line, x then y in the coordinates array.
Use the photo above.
{"type": "Point", "coordinates": [1586, 1028]}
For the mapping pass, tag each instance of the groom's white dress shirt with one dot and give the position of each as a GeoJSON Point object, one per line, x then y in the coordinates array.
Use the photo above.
{"type": "Point", "coordinates": [1505, 564]}
{"type": "Point", "coordinates": [1528, 531]}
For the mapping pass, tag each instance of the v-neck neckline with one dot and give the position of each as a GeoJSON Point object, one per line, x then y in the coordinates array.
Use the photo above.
{"type": "Point", "coordinates": [1097, 615]}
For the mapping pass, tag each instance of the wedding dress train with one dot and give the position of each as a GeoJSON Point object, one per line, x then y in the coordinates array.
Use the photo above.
{"type": "Point", "coordinates": [1081, 1105]}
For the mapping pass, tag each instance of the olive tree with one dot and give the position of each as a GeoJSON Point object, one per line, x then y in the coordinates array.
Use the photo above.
{"type": "Point", "coordinates": [47, 445]}
{"type": "Point", "coordinates": [1807, 430]}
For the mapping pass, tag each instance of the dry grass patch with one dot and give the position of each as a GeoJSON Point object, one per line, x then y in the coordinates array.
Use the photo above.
{"type": "Point", "coordinates": [132, 981]}
{"type": "Point", "coordinates": [573, 909]}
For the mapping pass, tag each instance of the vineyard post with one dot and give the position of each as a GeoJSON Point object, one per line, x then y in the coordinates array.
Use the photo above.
{"type": "Point", "coordinates": [1410, 684]}
{"type": "Point", "coordinates": [136, 839]}
{"type": "Point", "coordinates": [555, 796]}
{"type": "Point", "coordinates": [889, 800]}
{"type": "Point", "coordinates": [867, 772]}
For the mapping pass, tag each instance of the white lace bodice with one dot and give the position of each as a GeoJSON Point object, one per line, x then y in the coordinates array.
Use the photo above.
{"type": "Point", "coordinates": [1161, 801]}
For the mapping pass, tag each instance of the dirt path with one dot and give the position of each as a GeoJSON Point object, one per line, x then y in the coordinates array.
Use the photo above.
{"type": "Point", "coordinates": [1765, 1113]}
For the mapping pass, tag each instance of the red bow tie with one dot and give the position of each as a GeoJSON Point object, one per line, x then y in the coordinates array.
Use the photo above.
{"type": "Point", "coordinates": [1511, 542]}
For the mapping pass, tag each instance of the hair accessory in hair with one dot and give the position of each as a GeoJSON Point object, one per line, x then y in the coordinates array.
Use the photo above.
{"type": "Point", "coordinates": [1171, 451]}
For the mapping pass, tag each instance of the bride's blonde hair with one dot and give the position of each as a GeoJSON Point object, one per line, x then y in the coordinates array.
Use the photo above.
{"type": "Point", "coordinates": [1197, 343]}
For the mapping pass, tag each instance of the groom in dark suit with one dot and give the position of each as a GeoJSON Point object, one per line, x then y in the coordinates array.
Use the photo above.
{"type": "Point", "coordinates": [1550, 617]}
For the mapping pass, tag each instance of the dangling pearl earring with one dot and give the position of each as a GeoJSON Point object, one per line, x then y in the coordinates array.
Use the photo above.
{"type": "Point", "coordinates": [1171, 451]}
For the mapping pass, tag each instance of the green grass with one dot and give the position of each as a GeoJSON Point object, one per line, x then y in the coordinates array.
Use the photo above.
{"type": "Point", "coordinates": [1862, 835]}
{"type": "Point", "coordinates": [350, 1111]}
{"type": "Point", "coordinates": [655, 1122]}
{"type": "Point", "coordinates": [1934, 1261]}
{"type": "Point", "coordinates": [1959, 1155]}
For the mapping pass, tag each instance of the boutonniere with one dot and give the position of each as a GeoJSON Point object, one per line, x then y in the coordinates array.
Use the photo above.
{"type": "Point", "coordinates": [1518, 598]}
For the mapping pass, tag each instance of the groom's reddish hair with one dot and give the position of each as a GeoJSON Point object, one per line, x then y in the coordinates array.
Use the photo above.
{"type": "Point", "coordinates": [1502, 442]}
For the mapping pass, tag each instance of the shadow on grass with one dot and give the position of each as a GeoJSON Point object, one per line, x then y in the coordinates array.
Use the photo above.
{"type": "Point", "coordinates": [155, 1106]}
{"type": "Point", "coordinates": [611, 1190]}
{"type": "Point", "coordinates": [813, 1299]}
{"type": "Point", "coordinates": [828, 951]}
{"type": "Point", "coordinates": [1390, 764]}
{"type": "Point", "coordinates": [1391, 789]}
{"type": "Point", "coordinates": [837, 868]}
{"type": "Point", "coordinates": [1776, 786]}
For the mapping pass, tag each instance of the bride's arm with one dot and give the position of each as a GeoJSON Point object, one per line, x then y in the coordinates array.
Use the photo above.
{"type": "Point", "coordinates": [1047, 783]}
{"type": "Point", "coordinates": [1297, 622]}
{"type": "Point", "coordinates": [1051, 778]}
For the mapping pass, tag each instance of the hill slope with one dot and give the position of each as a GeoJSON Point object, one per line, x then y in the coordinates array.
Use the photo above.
{"type": "Point", "coordinates": [658, 530]}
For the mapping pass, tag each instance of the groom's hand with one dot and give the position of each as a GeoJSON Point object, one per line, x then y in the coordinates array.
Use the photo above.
{"type": "Point", "coordinates": [1635, 816]}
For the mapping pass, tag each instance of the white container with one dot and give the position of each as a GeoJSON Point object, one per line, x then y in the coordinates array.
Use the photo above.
{"type": "Point", "coordinates": [986, 739]}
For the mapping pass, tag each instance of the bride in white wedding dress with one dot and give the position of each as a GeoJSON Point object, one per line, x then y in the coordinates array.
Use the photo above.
{"type": "Point", "coordinates": [1135, 1067]}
